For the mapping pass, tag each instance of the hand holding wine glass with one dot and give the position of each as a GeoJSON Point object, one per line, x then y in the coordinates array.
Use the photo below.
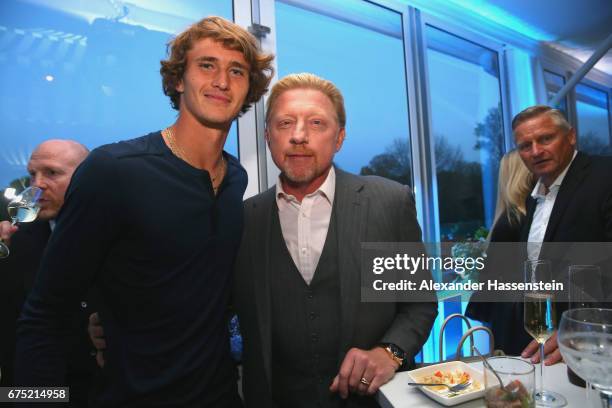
{"type": "Point", "coordinates": [7, 229]}
{"type": "Point", "coordinates": [22, 207]}
{"type": "Point", "coordinates": [540, 321]}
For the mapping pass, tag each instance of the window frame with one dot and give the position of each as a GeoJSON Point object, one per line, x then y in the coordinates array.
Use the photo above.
{"type": "Point", "coordinates": [607, 91]}
{"type": "Point", "coordinates": [480, 40]}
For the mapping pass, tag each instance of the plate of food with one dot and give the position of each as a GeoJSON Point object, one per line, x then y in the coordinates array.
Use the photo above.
{"type": "Point", "coordinates": [452, 374]}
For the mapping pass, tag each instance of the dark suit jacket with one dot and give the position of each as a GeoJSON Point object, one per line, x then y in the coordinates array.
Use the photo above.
{"type": "Point", "coordinates": [583, 208]}
{"type": "Point", "coordinates": [509, 338]}
{"type": "Point", "coordinates": [368, 209]}
{"type": "Point", "coordinates": [582, 213]}
{"type": "Point", "coordinates": [17, 275]}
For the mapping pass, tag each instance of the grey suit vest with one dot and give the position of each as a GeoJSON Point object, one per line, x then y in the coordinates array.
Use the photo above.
{"type": "Point", "coordinates": [305, 324]}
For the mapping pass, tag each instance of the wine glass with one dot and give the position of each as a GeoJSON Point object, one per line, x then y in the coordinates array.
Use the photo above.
{"type": "Point", "coordinates": [585, 291]}
{"type": "Point", "coordinates": [585, 286]}
{"type": "Point", "coordinates": [585, 341]}
{"type": "Point", "coordinates": [539, 320]}
{"type": "Point", "coordinates": [22, 207]}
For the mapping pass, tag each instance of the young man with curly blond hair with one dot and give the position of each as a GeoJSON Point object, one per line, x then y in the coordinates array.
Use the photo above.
{"type": "Point", "coordinates": [153, 224]}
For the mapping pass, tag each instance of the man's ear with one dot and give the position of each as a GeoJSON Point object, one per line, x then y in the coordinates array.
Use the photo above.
{"type": "Point", "coordinates": [267, 136]}
{"type": "Point", "coordinates": [572, 136]}
{"type": "Point", "coordinates": [180, 88]}
{"type": "Point", "coordinates": [340, 139]}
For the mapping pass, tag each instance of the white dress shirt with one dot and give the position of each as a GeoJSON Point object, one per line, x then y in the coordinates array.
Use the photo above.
{"type": "Point", "coordinates": [544, 206]}
{"type": "Point", "coordinates": [304, 225]}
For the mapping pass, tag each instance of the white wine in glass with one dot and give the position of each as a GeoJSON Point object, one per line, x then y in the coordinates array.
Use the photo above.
{"type": "Point", "coordinates": [540, 320]}
{"type": "Point", "coordinates": [20, 212]}
{"type": "Point", "coordinates": [23, 207]}
{"type": "Point", "coordinates": [540, 316]}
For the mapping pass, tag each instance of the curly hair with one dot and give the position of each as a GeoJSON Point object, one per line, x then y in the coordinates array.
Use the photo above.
{"type": "Point", "coordinates": [233, 37]}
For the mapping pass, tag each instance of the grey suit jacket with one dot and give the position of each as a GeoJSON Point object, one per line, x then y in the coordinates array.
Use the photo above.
{"type": "Point", "coordinates": [368, 209]}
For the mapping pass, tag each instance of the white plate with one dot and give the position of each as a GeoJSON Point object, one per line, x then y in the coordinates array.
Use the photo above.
{"type": "Point", "coordinates": [418, 374]}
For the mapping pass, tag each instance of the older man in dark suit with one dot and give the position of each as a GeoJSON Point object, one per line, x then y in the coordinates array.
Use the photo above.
{"type": "Point", "coordinates": [572, 200]}
{"type": "Point", "coordinates": [50, 167]}
{"type": "Point", "coordinates": [308, 340]}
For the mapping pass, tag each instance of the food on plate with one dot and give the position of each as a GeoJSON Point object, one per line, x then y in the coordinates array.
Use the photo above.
{"type": "Point", "coordinates": [451, 377]}
{"type": "Point", "coordinates": [512, 395]}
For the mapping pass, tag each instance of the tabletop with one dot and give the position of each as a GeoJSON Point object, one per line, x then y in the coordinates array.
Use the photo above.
{"type": "Point", "coordinates": [396, 394]}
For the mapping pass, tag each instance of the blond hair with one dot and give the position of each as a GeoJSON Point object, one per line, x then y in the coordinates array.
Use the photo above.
{"type": "Point", "coordinates": [514, 184]}
{"type": "Point", "coordinates": [308, 81]}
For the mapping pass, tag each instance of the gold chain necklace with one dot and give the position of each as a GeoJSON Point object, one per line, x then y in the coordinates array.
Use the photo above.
{"type": "Point", "coordinates": [168, 134]}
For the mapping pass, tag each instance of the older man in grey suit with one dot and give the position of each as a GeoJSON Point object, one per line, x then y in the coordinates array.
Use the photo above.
{"type": "Point", "coordinates": [308, 339]}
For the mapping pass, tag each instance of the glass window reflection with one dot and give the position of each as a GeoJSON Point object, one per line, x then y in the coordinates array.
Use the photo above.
{"type": "Point", "coordinates": [593, 126]}
{"type": "Point", "coordinates": [87, 71]}
{"type": "Point", "coordinates": [467, 130]}
{"type": "Point", "coordinates": [554, 83]}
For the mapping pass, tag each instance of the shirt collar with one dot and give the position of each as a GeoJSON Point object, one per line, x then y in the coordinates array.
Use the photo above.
{"type": "Point", "coordinates": [539, 191]}
{"type": "Point", "coordinates": [327, 189]}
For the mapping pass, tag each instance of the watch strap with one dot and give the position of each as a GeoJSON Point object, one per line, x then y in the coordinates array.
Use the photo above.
{"type": "Point", "coordinates": [395, 352]}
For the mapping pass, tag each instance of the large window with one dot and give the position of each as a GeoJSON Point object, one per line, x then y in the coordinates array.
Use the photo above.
{"type": "Point", "coordinates": [593, 120]}
{"type": "Point", "coordinates": [87, 71]}
{"type": "Point", "coordinates": [363, 55]}
{"type": "Point", "coordinates": [554, 83]}
{"type": "Point", "coordinates": [467, 127]}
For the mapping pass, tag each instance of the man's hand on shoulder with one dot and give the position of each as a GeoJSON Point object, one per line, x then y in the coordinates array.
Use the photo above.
{"type": "Point", "coordinates": [364, 371]}
{"type": "Point", "coordinates": [96, 335]}
{"type": "Point", "coordinates": [6, 232]}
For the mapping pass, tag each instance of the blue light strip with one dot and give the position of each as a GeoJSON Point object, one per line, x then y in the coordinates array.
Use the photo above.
{"type": "Point", "coordinates": [501, 17]}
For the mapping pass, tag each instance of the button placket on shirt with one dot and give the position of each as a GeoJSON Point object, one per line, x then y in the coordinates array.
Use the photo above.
{"type": "Point", "coordinates": [304, 235]}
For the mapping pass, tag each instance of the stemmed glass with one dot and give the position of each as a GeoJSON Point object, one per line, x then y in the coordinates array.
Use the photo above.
{"type": "Point", "coordinates": [585, 341]}
{"type": "Point", "coordinates": [540, 320]}
{"type": "Point", "coordinates": [22, 207]}
{"type": "Point", "coordinates": [585, 291]}
{"type": "Point", "coordinates": [585, 286]}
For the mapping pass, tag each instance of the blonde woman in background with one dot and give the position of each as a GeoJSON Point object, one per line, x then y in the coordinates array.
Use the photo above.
{"type": "Point", "coordinates": [515, 183]}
